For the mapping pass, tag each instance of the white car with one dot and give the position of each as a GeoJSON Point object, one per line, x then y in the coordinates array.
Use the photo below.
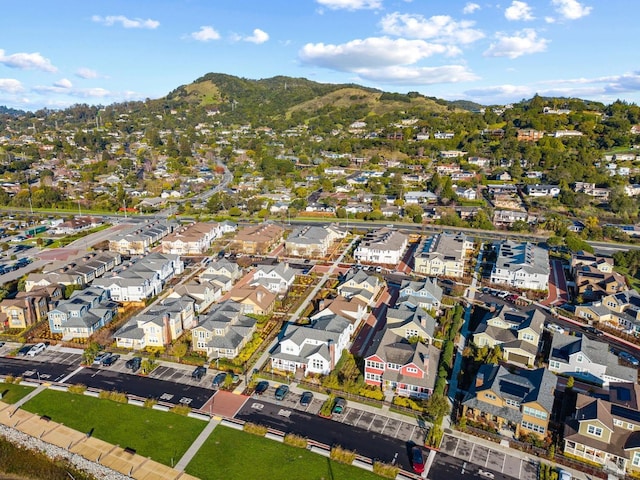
{"type": "Point", "coordinates": [555, 328]}
{"type": "Point", "coordinates": [486, 474]}
{"type": "Point", "coordinates": [36, 349]}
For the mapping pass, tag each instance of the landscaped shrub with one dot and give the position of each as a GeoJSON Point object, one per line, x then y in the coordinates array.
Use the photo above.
{"type": "Point", "coordinates": [10, 379]}
{"type": "Point", "coordinates": [295, 440]}
{"type": "Point", "coordinates": [255, 429]}
{"type": "Point", "coordinates": [408, 403]}
{"type": "Point", "coordinates": [341, 455]}
{"type": "Point", "coordinates": [385, 470]}
{"type": "Point", "coordinates": [371, 392]}
{"type": "Point", "coordinates": [150, 402]}
{"type": "Point", "coordinates": [181, 409]}
{"type": "Point", "coordinates": [327, 406]}
{"type": "Point", "coordinates": [114, 396]}
{"type": "Point", "coordinates": [77, 388]}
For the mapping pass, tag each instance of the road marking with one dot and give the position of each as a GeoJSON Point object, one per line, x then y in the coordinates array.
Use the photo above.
{"type": "Point", "coordinates": [257, 406]}
{"type": "Point", "coordinates": [504, 462]}
{"type": "Point", "coordinates": [63, 380]}
{"type": "Point", "coordinates": [284, 413]}
{"type": "Point", "coordinates": [398, 429]}
{"type": "Point", "coordinates": [486, 462]}
{"type": "Point", "coordinates": [473, 446]}
{"type": "Point", "coordinates": [455, 451]}
{"type": "Point", "coordinates": [385, 425]}
{"type": "Point", "coordinates": [412, 432]}
{"type": "Point", "coordinates": [371, 422]}
{"type": "Point", "coordinates": [520, 470]}
{"type": "Point", "coordinates": [361, 413]}
{"type": "Point", "coordinates": [166, 396]}
{"type": "Point", "coordinates": [186, 400]}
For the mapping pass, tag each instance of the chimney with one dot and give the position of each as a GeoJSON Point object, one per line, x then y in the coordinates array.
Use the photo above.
{"type": "Point", "coordinates": [30, 313]}
{"type": "Point", "coordinates": [332, 354]}
{"type": "Point", "coordinates": [479, 379]}
{"type": "Point", "coordinates": [260, 296]}
{"type": "Point", "coordinates": [167, 330]}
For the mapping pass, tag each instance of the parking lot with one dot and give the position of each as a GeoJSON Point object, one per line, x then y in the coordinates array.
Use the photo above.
{"type": "Point", "coordinates": [489, 458]}
{"type": "Point", "coordinates": [373, 422]}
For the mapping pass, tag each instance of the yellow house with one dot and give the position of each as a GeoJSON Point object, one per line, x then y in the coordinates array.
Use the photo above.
{"type": "Point", "coordinates": [514, 404]}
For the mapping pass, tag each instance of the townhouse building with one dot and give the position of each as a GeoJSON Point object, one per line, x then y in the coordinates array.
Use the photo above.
{"type": "Point", "coordinates": [521, 265]}
{"type": "Point", "coordinates": [443, 254]}
{"type": "Point", "coordinates": [384, 246]}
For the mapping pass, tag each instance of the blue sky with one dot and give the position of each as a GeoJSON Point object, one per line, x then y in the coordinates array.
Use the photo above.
{"type": "Point", "coordinates": [55, 54]}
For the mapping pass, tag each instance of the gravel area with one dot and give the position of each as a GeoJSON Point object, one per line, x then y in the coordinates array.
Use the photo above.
{"type": "Point", "coordinates": [96, 470]}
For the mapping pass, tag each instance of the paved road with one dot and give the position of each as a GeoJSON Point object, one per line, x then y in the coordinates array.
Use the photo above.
{"type": "Point", "coordinates": [329, 432]}
{"type": "Point", "coordinates": [141, 386]}
{"type": "Point", "coordinates": [34, 369]}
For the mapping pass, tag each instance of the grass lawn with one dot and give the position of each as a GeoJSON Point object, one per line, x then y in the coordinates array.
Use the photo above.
{"type": "Point", "coordinates": [230, 454]}
{"type": "Point", "coordinates": [163, 436]}
{"type": "Point", "coordinates": [11, 393]}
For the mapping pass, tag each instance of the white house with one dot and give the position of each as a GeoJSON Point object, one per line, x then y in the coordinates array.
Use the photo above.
{"type": "Point", "coordinates": [384, 246]}
{"type": "Point", "coordinates": [275, 278]}
{"type": "Point", "coordinates": [314, 348]}
{"type": "Point", "coordinates": [521, 265]}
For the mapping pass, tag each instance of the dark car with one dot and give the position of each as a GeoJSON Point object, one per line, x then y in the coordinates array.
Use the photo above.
{"type": "Point", "coordinates": [219, 379]}
{"type": "Point", "coordinates": [594, 331]}
{"type": "Point", "coordinates": [281, 392]}
{"type": "Point", "coordinates": [262, 387]}
{"type": "Point", "coordinates": [134, 363]}
{"type": "Point", "coordinates": [339, 405]}
{"type": "Point", "coordinates": [25, 349]}
{"type": "Point", "coordinates": [199, 372]}
{"type": "Point", "coordinates": [110, 360]}
{"type": "Point", "coordinates": [417, 459]}
{"type": "Point", "coordinates": [306, 398]}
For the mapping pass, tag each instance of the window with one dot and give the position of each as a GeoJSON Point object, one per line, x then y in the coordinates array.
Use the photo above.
{"type": "Point", "coordinates": [532, 412]}
{"type": "Point", "coordinates": [636, 459]}
{"type": "Point", "coordinates": [554, 364]}
{"type": "Point", "coordinates": [527, 336]}
{"type": "Point", "coordinates": [512, 403]}
{"type": "Point", "coordinates": [490, 396]}
{"type": "Point", "coordinates": [412, 370]}
{"type": "Point", "coordinates": [373, 377]}
{"type": "Point", "coordinates": [533, 427]}
{"type": "Point", "coordinates": [579, 358]}
{"type": "Point", "coordinates": [593, 430]}
{"type": "Point", "coordinates": [317, 364]}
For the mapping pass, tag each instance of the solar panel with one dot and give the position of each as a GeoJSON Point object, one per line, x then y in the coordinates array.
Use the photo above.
{"type": "Point", "coordinates": [624, 412]}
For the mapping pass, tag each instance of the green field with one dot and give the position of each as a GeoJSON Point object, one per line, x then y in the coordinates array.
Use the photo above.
{"type": "Point", "coordinates": [162, 436]}
{"type": "Point", "coordinates": [11, 393]}
{"type": "Point", "coordinates": [230, 454]}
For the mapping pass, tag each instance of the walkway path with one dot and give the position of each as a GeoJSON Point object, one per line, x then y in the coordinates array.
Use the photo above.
{"type": "Point", "coordinates": [296, 315]}
{"type": "Point", "coordinates": [197, 444]}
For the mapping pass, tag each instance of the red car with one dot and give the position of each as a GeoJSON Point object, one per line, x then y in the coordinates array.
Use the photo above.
{"type": "Point", "coordinates": [417, 459]}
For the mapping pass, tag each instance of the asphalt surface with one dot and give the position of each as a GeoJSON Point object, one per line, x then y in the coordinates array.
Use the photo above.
{"type": "Point", "coordinates": [34, 369]}
{"type": "Point", "coordinates": [364, 442]}
{"type": "Point", "coordinates": [446, 467]}
{"type": "Point", "coordinates": [141, 386]}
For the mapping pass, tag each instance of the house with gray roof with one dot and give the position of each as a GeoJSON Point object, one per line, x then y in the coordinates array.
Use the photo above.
{"type": "Point", "coordinates": [203, 293]}
{"type": "Point", "coordinates": [314, 348]}
{"type": "Point", "coordinates": [408, 369]}
{"type": "Point", "coordinates": [139, 239]}
{"type": "Point", "coordinates": [84, 313]}
{"type": "Point", "coordinates": [360, 284]}
{"type": "Point", "coordinates": [444, 254]}
{"type": "Point", "coordinates": [222, 273]}
{"type": "Point", "coordinates": [518, 403]}
{"type": "Point", "coordinates": [223, 331]}
{"type": "Point", "coordinates": [276, 278]}
{"type": "Point", "coordinates": [605, 430]}
{"type": "Point", "coordinates": [521, 265]}
{"type": "Point", "coordinates": [158, 325]}
{"type": "Point", "coordinates": [409, 321]}
{"type": "Point", "coordinates": [313, 240]}
{"type": "Point", "coordinates": [425, 293]}
{"type": "Point", "coordinates": [517, 333]}
{"type": "Point", "coordinates": [384, 246]}
{"type": "Point", "coordinates": [588, 360]}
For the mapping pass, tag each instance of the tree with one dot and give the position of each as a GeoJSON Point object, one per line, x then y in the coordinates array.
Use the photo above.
{"type": "Point", "coordinates": [436, 406]}
{"type": "Point", "coordinates": [570, 382]}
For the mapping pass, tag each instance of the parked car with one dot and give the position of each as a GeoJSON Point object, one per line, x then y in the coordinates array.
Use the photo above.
{"type": "Point", "coordinates": [110, 360]}
{"type": "Point", "coordinates": [339, 405]}
{"type": "Point", "coordinates": [99, 358]}
{"type": "Point", "coordinates": [219, 379]}
{"type": "Point", "coordinates": [417, 459]}
{"type": "Point", "coordinates": [486, 474]}
{"type": "Point", "coordinates": [627, 357]}
{"type": "Point", "coordinates": [555, 328]}
{"type": "Point", "coordinates": [594, 331]}
{"type": "Point", "coordinates": [306, 398]}
{"type": "Point", "coordinates": [1, 344]}
{"type": "Point", "coordinates": [25, 349]}
{"type": "Point", "coordinates": [261, 387]}
{"type": "Point", "coordinates": [36, 349]}
{"type": "Point", "coordinates": [134, 363]}
{"type": "Point", "coordinates": [281, 392]}
{"type": "Point", "coordinates": [199, 372]}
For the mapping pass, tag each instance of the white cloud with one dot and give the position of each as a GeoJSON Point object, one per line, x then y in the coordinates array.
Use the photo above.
{"type": "Point", "coordinates": [205, 34]}
{"type": "Point", "coordinates": [518, 11]}
{"type": "Point", "coordinates": [351, 4]}
{"type": "Point", "coordinates": [10, 85]}
{"type": "Point", "coordinates": [571, 9]}
{"type": "Point", "coordinates": [438, 28]}
{"type": "Point", "coordinates": [470, 7]}
{"type": "Point", "coordinates": [27, 61]}
{"type": "Point", "coordinates": [374, 52]}
{"type": "Point", "coordinates": [522, 43]}
{"type": "Point", "coordinates": [63, 83]}
{"type": "Point", "coordinates": [86, 73]}
{"type": "Point", "coordinates": [549, 19]}
{"type": "Point", "coordinates": [111, 20]}
{"type": "Point", "coordinates": [258, 37]}
{"type": "Point", "coordinates": [401, 75]}
{"type": "Point", "coordinates": [505, 92]}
